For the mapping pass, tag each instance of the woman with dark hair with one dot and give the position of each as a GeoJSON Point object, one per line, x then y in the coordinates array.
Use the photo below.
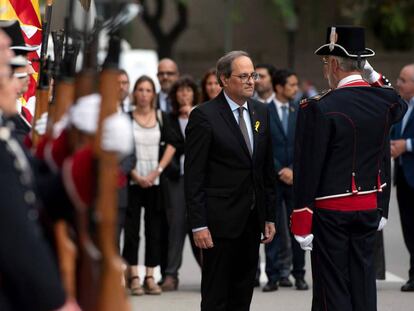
{"type": "Point", "coordinates": [210, 86]}
{"type": "Point", "coordinates": [183, 96]}
{"type": "Point", "coordinates": [154, 150]}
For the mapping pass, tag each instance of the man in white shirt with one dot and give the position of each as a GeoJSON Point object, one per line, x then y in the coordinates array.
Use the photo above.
{"type": "Point", "coordinates": [264, 87]}
{"type": "Point", "coordinates": [402, 136]}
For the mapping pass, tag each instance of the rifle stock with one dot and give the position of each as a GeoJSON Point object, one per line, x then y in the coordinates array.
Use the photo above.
{"type": "Point", "coordinates": [66, 251]}
{"type": "Point", "coordinates": [112, 294]}
{"type": "Point", "coordinates": [42, 103]}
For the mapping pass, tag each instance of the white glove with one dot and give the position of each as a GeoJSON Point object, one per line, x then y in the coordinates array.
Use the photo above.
{"type": "Point", "coordinates": [305, 241]}
{"type": "Point", "coordinates": [41, 124]}
{"type": "Point", "coordinates": [369, 74]}
{"type": "Point", "coordinates": [382, 223]}
{"type": "Point", "coordinates": [60, 125]}
{"type": "Point", "coordinates": [117, 134]}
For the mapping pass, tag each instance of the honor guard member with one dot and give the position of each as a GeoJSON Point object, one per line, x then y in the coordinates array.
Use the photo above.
{"type": "Point", "coordinates": [342, 173]}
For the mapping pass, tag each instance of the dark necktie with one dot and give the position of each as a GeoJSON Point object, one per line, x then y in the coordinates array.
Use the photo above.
{"type": "Point", "coordinates": [243, 129]}
{"type": "Point", "coordinates": [285, 118]}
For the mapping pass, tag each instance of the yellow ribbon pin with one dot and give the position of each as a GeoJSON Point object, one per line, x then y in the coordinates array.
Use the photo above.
{"type": "Point", "coordinates": [256, 126]}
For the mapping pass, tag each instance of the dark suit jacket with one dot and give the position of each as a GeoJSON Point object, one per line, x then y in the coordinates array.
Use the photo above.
{"type": "Point", "coordinates": [173, 169]}
{"type": "Point", "coordinates": [407, 157]}
{"type": "Point", "coordinates": [282, 144]}
{"type": "Point", "coordinates": [222, 180]}
{"type": "Point", "coordinates": [169, 108]}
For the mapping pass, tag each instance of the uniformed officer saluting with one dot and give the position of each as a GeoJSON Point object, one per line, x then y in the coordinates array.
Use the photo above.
{"type": "Point", "coordinates": [342, 173]}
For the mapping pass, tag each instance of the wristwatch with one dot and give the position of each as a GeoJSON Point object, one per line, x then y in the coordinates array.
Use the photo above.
{"type": "Point", "coordinates": [160, 169]}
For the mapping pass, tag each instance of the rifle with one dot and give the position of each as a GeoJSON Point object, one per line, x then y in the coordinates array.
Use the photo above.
{"type": "Point", "coordinates": [42, 92]}
{"type": "Point", "coordinates": [62, 98]}
{"type": "Point", "coordinates": [89, 257]}
{"type": "Point", "coordinates": [112, 294]}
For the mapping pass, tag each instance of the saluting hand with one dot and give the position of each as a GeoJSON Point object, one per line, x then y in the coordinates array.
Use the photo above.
{"type": "Point", "coordinates": [202, 239]}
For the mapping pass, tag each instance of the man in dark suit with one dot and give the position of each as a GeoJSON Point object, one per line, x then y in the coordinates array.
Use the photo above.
{"type": "Point", "coordinates": [402, 136]}
{"type": "Point", "coordinates": [283, 113]}
{"type": "Point", "coordinates": [167, 74]}
{"type": "Point", "coordinates": [230, 185]}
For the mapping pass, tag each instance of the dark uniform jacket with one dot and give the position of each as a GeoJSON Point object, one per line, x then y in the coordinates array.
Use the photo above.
{"type": "Point", "coordinates": [222, 181]}
{"type": "Point", "coordinates": [342, 145]}
{"type": "Point", "coordinates": [29, 277]}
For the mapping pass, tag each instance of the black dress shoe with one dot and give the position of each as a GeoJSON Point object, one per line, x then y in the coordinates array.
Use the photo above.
{"type": "Point", "coordinates": [285, 282]}
{"type": "Point", "coordinates": [301, 284]}
{"type": "Point", "coordinates": [270, 287]}
{"type": "Point", "coordinates": [408, 287]}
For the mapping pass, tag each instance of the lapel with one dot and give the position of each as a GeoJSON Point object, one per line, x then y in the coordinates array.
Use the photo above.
{"type": "Point", "coordinates": [276, 119]}
{"type": "Point", "coordinates": [291, 120]}
{"type": "Point", "coordinates": [253, 119]}
{"type": "Point", "coordinates": [228, 116]}
{"type": "Point", "coordinates": [410, 119]}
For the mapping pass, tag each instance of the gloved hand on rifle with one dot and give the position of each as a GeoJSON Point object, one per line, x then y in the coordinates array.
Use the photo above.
{"type": "Point", "coordinates": [41, 124]}
{"type": "Point", "coordinates": [305, 241]}
{"type": "Point", "coordinates": [117, 134]}
{"type": "Point", "coordinates": [116, 129]}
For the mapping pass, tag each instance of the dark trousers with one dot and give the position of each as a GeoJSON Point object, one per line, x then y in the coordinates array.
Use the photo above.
{"type": "Point", "coordinates": [229, 270]}
{"type": "Point", "coordinates": [284, 251]}
{"type": "Point", "coordinates": [343, 260]}
{"type": "Point", "coordinates": [147, 198]}
{"type": "Point", "coordinates": [177, 225]}
{"type": "Point", "coordinates": [405, 198]}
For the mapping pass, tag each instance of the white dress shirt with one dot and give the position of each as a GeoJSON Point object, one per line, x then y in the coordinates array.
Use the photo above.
{"type": "Point", "coordinates": [267, 100]}
{"type": "Point", "coordinates": [163, 100]}
{"type": "Point", "coordinates": [410, 110]}
{"type": "Point", "coordinates": [246, 116]}
{"type": "Point", "coordinates": [279, 106]}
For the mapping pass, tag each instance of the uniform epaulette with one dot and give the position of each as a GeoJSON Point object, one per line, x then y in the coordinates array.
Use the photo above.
{"type": "Point", "coordinates": [305, 102]}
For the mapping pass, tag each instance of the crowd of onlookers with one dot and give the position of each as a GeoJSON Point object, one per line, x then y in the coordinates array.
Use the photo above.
{"type": "Point", "coordinates": [156, 172]}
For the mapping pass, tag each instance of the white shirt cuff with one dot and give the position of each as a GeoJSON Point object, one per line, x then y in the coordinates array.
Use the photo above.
{"type": "Point", "coordinates": [409, 145]}
{"type": "Point", "coordinates": [199, 229]}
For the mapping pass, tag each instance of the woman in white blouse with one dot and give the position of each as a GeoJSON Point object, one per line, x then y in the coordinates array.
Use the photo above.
{"type": "Point", "coordinates": [154, 151]}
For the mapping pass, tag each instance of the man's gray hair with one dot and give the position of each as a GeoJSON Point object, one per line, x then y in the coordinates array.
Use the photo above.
{"type": "Point", "coordinates": [224, 64]}
{"type": "Point", "coordinates": [350, 64]}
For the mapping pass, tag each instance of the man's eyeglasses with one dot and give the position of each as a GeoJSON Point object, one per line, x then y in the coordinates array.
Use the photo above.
{"type": "Point", "coordinates": [166, 73]}
{"type": "Point", "coordinates": [244, 77]}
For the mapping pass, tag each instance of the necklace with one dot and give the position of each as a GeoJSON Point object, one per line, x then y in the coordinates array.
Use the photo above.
{"type": "Point", "coordinates": [147, 120]}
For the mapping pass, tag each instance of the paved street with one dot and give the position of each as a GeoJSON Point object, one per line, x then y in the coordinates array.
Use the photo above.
{"type": "Point", "coordinates": [389, 296]}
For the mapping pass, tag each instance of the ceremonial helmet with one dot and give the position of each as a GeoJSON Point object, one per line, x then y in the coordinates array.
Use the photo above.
{"type": "Point", "coordinates": [18, 45]}
{"type": "Point", "coordinates": [345, 41]}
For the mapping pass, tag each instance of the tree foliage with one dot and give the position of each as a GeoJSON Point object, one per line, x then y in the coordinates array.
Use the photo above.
{"type": "Point", "coordinates": [165, 39]}
{"type": "Point", "coordinates": [391, 21]}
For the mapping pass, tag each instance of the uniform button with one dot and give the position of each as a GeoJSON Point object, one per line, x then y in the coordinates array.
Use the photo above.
{"type": "Point", "coordinates": [33, 214]}
{"type": "Point", "coordinates": [375, 187]}
{"type": "Point", "coordinates": [347, 191]}
{"type": "Point", "coordinates": [29, 197]}
{"type": "Point", "coordinates": [24, 179]}
{"type": "Point", "coordinates": [17, 165]}
{"type": "Point", "coordinates": [359, 188]}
